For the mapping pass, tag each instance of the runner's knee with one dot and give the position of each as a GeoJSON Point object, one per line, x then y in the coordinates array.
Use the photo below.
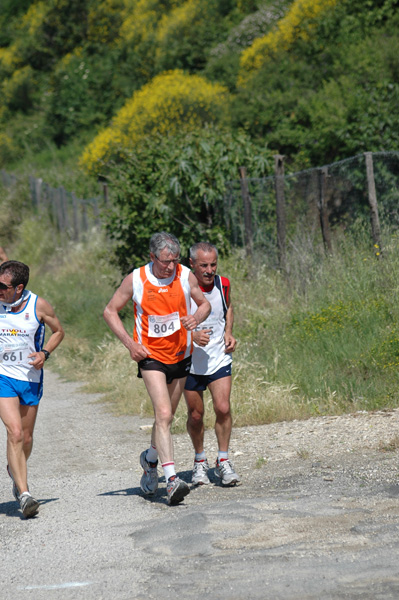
{"type": "Point", "coordinates": [28, 439]}
{"type": "Point", "coordinates": [15, 434]}
{"type": "Point", "coordinates": [163, 416]}
{"type": "Point", "coordinates": [195, 416]}
{"type": "Point", "coordinates": [222, 409]}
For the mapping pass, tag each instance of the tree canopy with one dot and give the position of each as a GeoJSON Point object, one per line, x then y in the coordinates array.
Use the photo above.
{"type": "Point", "coordinates": [131, 80]}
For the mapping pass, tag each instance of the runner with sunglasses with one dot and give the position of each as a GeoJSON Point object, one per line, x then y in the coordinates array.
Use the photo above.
{"type": "Point", "coordinates": [161, 345]}
{"type": "Point", "coordinates": [23, 317]}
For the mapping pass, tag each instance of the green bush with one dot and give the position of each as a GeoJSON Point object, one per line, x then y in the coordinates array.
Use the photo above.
{"type": "Point", "coordinates": [80, 96]}
{"type": "Point", "coordinates": [185, 35]}
{"type": "Point", "coordinates": [176, 183]}
{"type": "Point", "coordinates": [19, 90]}
{"type": "Point", "coordinates": [64, 27]}
{"type": "Point", "coordinates": [329, 97]}
{"type": "Point", "coordinates": [29, 134]}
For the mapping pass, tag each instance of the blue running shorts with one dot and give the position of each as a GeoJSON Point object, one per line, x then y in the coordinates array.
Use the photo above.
{"type": "Point", "coordinates": [199, 383]}
{"type": "Point", "coordinates": [29, 393]}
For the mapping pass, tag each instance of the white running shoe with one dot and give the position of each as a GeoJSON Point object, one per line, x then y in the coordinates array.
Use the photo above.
{"type": "Point", "coordinates": [177, 489]}
{"type": "Point", "coordinates": [28, 504]}
{"type": "Point", "coordinates": [200, 473]}
{"type": "Point", "coordinates": [149, 479]}
{"type": "Point", "coordinates": [224, 471]}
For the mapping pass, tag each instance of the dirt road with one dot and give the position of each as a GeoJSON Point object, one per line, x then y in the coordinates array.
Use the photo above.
{"type": "Point", "coordinates": [317, 516]}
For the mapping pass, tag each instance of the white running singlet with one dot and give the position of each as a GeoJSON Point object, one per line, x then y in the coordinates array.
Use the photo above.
{"type": "Point", "coordinates": [21, 333]}
{"type": "Point", "coordinates": [208, 359]}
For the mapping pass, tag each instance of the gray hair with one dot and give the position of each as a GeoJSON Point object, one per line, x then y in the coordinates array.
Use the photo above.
{"type": "Point", "coordinates": [162, 240]}
{"type": "Point", "coordinates": [204, 246]}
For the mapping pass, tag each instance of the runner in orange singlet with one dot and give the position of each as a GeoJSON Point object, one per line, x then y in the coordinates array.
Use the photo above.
{"type": "Point", "coordinates": [162, 346]}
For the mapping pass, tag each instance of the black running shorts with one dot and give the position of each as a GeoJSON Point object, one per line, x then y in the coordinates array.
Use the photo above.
{"type": "Point", "coordinates": [175, 371]}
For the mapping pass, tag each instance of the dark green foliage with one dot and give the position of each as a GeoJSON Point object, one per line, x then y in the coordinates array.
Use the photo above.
{"type": "Point", "coordinates": [333, 96]}
{"type": "Point", "coordinates": [177, 184]}
{"type": "Point", "coordinates": [64, 27]}
{"type": "Point", "coordinates": [10, 11]}
{"type": "Point", "coordinates": [75, 89]}
{"type": "Point", "coordinates": [323, 99]}
{"type": "Point", "coordinates": [187, 42]}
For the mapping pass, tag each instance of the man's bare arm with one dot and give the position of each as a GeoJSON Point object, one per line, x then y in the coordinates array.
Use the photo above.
{"type": "Point", "coordinates": [111, 316]}
{"type": "Point", "coordinates": [190, 322]}
{"type": "Point", "coordinates": [229, 340]}
{"type": "Point", "coordinates": [45, 314]}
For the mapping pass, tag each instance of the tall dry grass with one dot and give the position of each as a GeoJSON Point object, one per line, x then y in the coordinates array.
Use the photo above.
{"type": "Point", "coordinates": [320, 339]}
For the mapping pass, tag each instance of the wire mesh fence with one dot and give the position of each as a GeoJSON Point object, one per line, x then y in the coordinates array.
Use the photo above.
{"type": "Point", "coordinates": [71, 216]}
{"type": "Point", "coordinates": [313, 203]}
{"type": "Point", "coordinates": [268, 214]}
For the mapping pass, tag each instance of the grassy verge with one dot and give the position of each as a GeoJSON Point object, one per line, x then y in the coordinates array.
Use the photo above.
{"type": "Point", "coordinates": [322, 340]}
{"type": "Point", "coordinates": [331, 340]}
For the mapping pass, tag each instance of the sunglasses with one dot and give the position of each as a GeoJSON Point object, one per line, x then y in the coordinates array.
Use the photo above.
{"type": "Point", "coordinates": [4, 286]}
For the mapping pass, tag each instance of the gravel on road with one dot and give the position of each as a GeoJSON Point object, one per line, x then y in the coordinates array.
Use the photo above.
{"type": "Point", "coordinates": [316, 516]}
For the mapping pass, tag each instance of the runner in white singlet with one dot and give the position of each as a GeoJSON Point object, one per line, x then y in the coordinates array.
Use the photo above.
{"type": "Point", "coordinates": [211, 368]}
{"type": "Point", "coordinates": [23, 317]}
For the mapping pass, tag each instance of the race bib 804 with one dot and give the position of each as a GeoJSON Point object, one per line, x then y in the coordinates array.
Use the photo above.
{"type": "Point", "coordinates": [163, 325]}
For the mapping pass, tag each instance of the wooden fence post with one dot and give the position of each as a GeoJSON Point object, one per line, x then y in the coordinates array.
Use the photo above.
{"type": "Point", "coordinates": [96, 212]}
{"type": "Point", "coordinates": [104, 185]}
{"type": "Point", "coordinates": [247, 212]}
{"type": "Point", "coordinates": [60, 212]}
{"type": "Point", "coordinates": [38, 191]}
{"type": "Point", "coordinates": [75, 217]}
{"type": "Point", "coordinates": [324, 223]}
{"type": "Point", "coordinates": [85, 223]}
{"type": "Point", "coordinates": [280, 209]}
{"type": "Point", "coordinates": [64, 205]}
{"type": "Point", "coordinates": [372, 196]}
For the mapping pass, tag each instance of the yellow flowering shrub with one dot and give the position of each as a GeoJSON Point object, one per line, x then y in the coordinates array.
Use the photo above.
{"type": "Point", "coordinates": [172, 101]}
{"type": "Point", "coordinates": [27, 28]}
{"type": "Point", "coordinates": [288, 29]}
{"type": "Point", "coordinates": [137, 33]}
{"type": "Point", "coordinates": [18, 88]}
{"type": "Point", "coordinates": [32, 20]}
{"type": "Point", "coordinates": [177, 20]}
{"type": "Point", "coordinates": [8, 59]}
{"type": "Point", "coordinates": [141, 20]}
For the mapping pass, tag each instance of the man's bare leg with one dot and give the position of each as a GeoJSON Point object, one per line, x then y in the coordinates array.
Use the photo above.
{"type": "Point", "coordinates": [157, 389]}
{"type": "Point", "coordinates": [11, 417]}
{"type": "Point", "coordinates": [195, 418]}
{"type": "Point", "coordinates": [220, 391]}
{"type": "Point", "coordinates": [165, 399]}
{"type": "Point", "coordinates": [28, 416]}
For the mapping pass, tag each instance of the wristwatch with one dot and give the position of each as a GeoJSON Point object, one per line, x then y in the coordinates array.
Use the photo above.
{"type": "Point", "coordinates": [46, 353]}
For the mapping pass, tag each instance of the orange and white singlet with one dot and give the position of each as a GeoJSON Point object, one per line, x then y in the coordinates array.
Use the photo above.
{"type": "Point", "coordinates": [158, 306]}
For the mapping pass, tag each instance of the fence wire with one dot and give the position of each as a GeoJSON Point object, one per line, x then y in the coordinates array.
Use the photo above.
{"type": "Point", "coordinates": [70, 215]}
{"type": "Point", "coordinates": [338, 192]}
{"type": "Point", "coordinates": [342, 187]}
